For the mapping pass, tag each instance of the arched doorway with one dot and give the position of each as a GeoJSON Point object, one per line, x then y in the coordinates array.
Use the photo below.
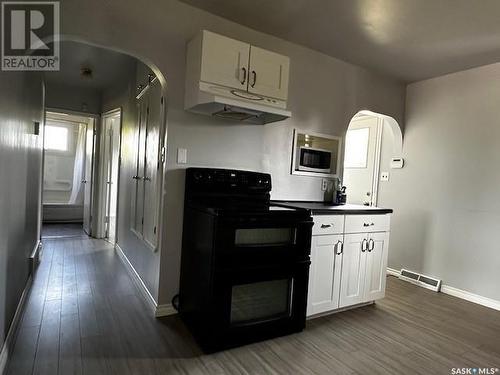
{"type": "Point", "coordinates": [120, 148]}
{"type": "Point", "coordinates": [373, 144]}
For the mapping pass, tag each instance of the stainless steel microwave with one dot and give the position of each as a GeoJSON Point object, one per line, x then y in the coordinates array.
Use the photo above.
{"type": "Point", "coordinates": [314, 160]}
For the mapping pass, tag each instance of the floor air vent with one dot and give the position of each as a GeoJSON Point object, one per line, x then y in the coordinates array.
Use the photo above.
{"type": "Point", "coordinates": [420, 280]}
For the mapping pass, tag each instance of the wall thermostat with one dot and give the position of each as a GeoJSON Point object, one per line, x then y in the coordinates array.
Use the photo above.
{"type": "Point", "coordinates": [397, 163]}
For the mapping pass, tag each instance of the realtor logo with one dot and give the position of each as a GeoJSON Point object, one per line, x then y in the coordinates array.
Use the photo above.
{"type": "Point", "coordinates": [30, 35]}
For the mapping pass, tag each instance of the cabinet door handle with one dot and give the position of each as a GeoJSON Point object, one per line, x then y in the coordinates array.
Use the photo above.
{"type": "Point", "coordinates": [340, 247]}
{"type": "Point", "coordinates": [254, 78]}
{"type": "Point", "coordinates": [371, 245]}
{"type": "Point", "coordinates": [137, 177]}
{"type": "Point", "coordinates": [364, 245]}
{"type": "Point", "coordinates": [368, 225]}
{"type": "Point", "coordinates": [323, 226]}
{"type": "Point", "coordinates": [244, 70]}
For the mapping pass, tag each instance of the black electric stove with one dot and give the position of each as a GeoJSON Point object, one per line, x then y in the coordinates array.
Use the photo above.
{"type": "Point", "coordinates": [245, 262]}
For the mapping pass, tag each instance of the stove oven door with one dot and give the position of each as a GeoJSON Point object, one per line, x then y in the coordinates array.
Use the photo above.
{"type": "Point", "coordinates": [254, 304]}
{"type": "Point", "coordinates": [262, 241]}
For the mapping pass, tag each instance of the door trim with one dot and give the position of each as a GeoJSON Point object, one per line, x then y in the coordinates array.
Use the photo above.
{"type": "Point", "coordinates": [101, 206]}
{"type": "Point", "coordinates": [377, 161]}
{"type": "Point", "coordinates": [96, 117]}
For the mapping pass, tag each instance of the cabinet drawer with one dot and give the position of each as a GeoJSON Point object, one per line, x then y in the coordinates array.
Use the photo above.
{"type": "Point", "coordinates": [328, 224]}
{"type": "Point", "coordinates": [367, 223]}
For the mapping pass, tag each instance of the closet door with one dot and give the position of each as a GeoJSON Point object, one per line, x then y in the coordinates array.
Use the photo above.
{"type": "Point", "coordinates": [138, 178]}
{"type": "Point", "coordinates": [151, 164]}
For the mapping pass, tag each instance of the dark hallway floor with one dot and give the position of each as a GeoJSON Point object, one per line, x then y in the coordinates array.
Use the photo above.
{"type": "Point", "coordinates": [85, 316]}
{"type": "Point", "coordinates": [56, 230]}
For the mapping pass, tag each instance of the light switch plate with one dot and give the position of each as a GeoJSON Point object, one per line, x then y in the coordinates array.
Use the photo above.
{"type": "Point", "coordinates": [181, 156]}
{"type": "Point", "coordinates": [384, 176]}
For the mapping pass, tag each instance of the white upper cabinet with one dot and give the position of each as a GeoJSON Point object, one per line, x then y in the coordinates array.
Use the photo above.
{"type": "Point", "coordinates": [231, 63]}
{"type": "Point", "coordinates": [268, 73]}
{"type": "Point", "coordinates": [224, 61]}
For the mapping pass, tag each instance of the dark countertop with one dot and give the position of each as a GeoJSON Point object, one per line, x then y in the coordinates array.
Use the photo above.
{"type": "Point", "coordinates": [323, 208]}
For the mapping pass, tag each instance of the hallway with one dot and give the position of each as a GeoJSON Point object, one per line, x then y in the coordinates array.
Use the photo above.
{"type": "Point", "coordinates": [85, 316]}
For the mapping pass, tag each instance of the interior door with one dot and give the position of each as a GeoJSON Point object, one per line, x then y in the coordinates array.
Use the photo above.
{"type": "Point", "coordinates": [325, 273]}
{"type": "Point", "coordinates": [376, 266]}
{"type": "Point", "coordinates": [88, 173]}
{"type": "Point", "coordinates": [152, 165]}
{"type": "Point", "coordinates": [224, 61]}
{"type": "Point", "coordinates": [359, 160]}
{"type": "Point", "coordinates": [353, 270]}
{"type": "Point", "coordinates": [268, 74]}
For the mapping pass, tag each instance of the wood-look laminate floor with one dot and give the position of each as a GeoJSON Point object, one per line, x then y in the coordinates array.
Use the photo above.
{"type": "Point", "coordinates": [84, 316]}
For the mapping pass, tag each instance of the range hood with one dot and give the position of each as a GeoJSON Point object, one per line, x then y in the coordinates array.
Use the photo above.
{"type": "Point", "coordinates": [236, 105]}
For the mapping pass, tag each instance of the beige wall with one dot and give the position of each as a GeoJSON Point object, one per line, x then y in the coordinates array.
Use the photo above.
{"type": "Point", "coordinates": [446, 199]}
{"type": "Point", "coordinates": [21, 104]}
{"type": "Point", "coordinates": [324, 94]}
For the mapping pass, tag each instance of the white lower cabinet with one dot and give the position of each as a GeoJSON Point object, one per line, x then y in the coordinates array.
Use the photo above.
{"type": "Point", "coordinates": [376, 265]}
{"type": "Point", "coordinates": [353, 270]}
{"type": "Point", "coordinates": [347, 269]}
{"type": "Point", "coordinates": [324, 275]}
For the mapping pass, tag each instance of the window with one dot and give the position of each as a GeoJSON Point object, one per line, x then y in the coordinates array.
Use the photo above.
{"type": "Point", "coordinates": [356, 148]}
{"type": "Point", "coordinates": [56, 138]}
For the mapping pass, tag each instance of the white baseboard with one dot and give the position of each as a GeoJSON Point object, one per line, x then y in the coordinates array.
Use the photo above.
{"type": "Point", "coordinates": [139, 283]}
{"type": "Point", "coordinates": [165, 310]}
{"type": "Point", "coordinates": [462, 294]}
{"type": "Point", "coordinates": [157, 310]}
{"type": "Point", "coordinates": [11, 335]}
{"type": "Point", "coordinates": [35, 257]}
{"type": "Point", "coordinates": [393, 272]}
{"type": "Point", "coordinates": [471, 297]}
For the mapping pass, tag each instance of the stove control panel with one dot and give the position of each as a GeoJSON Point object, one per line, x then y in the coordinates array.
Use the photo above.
{"type": "Point", "coordinates": [226, 180]}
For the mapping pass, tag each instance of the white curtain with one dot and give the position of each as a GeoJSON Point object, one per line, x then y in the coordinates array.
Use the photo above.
{"type": "Point", "coordinates": [77, 190]}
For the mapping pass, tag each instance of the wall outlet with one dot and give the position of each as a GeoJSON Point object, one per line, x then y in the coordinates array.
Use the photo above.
{"type": "Point", "coordinates": [181, 156]}
{"type": "Point", "coordinates": [324, 184]}
{"type": "Point", "coordinates": [384, 176]}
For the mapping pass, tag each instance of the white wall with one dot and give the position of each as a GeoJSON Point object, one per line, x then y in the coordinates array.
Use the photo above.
{"type": "Point", "coordinates": [21, 104]}
{"type": "Point", "coordinates": [324, 94]}
{"type": "Point", "coordinates": [446, 199]}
